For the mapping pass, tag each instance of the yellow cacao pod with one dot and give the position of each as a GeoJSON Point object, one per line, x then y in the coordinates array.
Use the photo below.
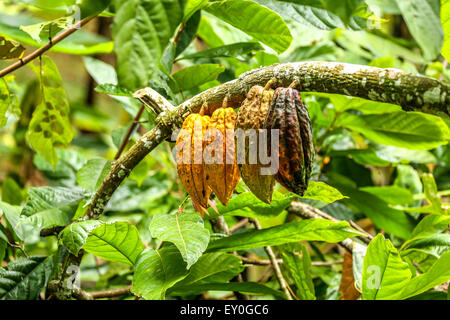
{"type": "Point", "coordinates": [252, 115]}
{"type": "Point", "coordinates": [222, 172]}
{"type": "Point", "coordinates": [190, 146]}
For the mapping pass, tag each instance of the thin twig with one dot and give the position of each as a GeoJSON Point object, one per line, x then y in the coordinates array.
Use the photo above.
{"type": "Point", "coordinates": [265, 262]}
{"type": "Point", "coordinates": [239, 225]}
{"type": "Point", "coordinates": [37, 53]}
{"type": "Point", "coordinates": [275, 266]}
{"type": "Point", "coordinates": [130, 131]}
{"type": "Point", "coordinates": [111, 293]}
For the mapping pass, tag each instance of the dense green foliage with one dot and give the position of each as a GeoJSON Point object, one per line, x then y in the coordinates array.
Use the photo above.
{"type": "Point", "coordinates": [64, 115]}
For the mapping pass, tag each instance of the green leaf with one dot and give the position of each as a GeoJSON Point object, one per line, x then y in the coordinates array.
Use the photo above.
{"type": "Point", "coordinates": [11, 192]}
{"type": "Point", "coordinates": [391, 194]}
{"type": "Point", "coordinates": [48, 29]}
{"type": "Point", "coordinates": [297, 263]}
{"type": "Point", "coordinates": [389, 219]}
{"type": "Point", "coordinates": [185, 230]}
{"type": "Point", "coordinates": [5, 101]}
{"type": "Point", "coordinates": [157, 271]}
{"type": "Point", "coordinates": [411, 130]}
{"type": "Point", "coordinates": [306, 230]}
{"type": "Point", "coordinates": [51, 206]}
{"type": "Point", "coordinates": [430, 190]}
{"type": "Point", "coordinates": [319, 18]}
{"type": "Point", "coordinates": [50, 125]}
{"type": "Point", "coordinates": [231, 50]}
{"type": "Point", "coordinates": [321, 191]}
{"type": "Point", "coordinates": [92, 174]}
{"type": "Point", "coordinates": [257, 21]}
{"type": "Point", "coordinates": [252, 288]}
{"type": "Point", "coordinates": [100, 71]}
{"type": "Point", "coordinates": [141, 31]}
{"type": "Point", "coordinates": [193, 76]}
{"type": "Point", "coordinates": [384, 273]}
{"type": "Point", "coordinates": [23, 279]}
{"type": "Point", "coordinates": [431, 224]}
{"type": "Point", "coordinates": [12, 216]}
{"type": "Point", "coordinates": [117, 241]}
{"type": "Point", "coordinates": [422, 19]}
{"type": "Point", "coordinates": [445, 20]}
{"type": "Point", "coordinates": [436, 275]}
{"type": "Point", "coordinates": [211, 268]}
{"type": "Point", "coordinates": [113, 90]}
{"type": "Point", "coordinates": [74, 236]}
{"type": "Point", "coordinates": [193, 6]}
{"type": "Point", "coordinates": [246, 204]}
{"type": "Point", "coordinates": [435, 240]}
{"type": "Point", "coordinates": [10, 49]}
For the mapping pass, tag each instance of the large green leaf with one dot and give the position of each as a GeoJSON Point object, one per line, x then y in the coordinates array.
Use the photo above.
{"type": "Point", "coordinates": [393, 195]}
{"type": "Point", "coordinates": [318, 190]}
{"type": "Point", "coordinates": [157, 271]}
{"type": "Point", "coordinates": [297, 263]}
{"type": "Point", "coordinates": [247, 204]}
{"type": "Point", "coordinates": [91, 175]}
{"type": "Point", "coordinates": [445, 20]}
{"type": "Point", "coordinates": [411, 130]}
{"type": "Point", "coordinates": [436, 275]}
{"type": "Point", "coordinates": [23, 279]}
{"type": "Point", "coordinates": [389, 219]}
{"type": "Point", "coordinates": [211, 268]}
{"type": "Point", "coordinates": [50, 125]}
{"type": "Point", "coordinates": [320, 18]}
{"type": "Point", "coordinates": [185, 230]}
{"type": "Point", "coordinates": [257, 21]}
{"type": "Point", "coordinates": [193, 76]}
{"type": "Point", "coordinates": [231, 50]}
{"type": "Point", "coordinates": [191, 7]}
{"type": "Point", "coordinates": [384, 273]}
{"type": "Point", "coordinates": [306, 230]}
{"type": "Point", "coordinates": [422, 19]}
{"type": "Point", "coordinates": [142, 29]}
{"type": "Point", "coordinates": [74, 236]}
{"type": "Point", "coordinates": [117, 241]}
{"type": "Point", "coordinates": [50, 206]}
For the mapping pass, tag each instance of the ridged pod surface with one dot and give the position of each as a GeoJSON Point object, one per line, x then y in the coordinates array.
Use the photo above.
{"type": "Point", "coordinates": [222, 173]}
{"type": "Point", "coordinates": [190, 159]}
{"type": "Point", "coordinates": [252, 115]}
{"type": "Point", "coordinates": [296, 151]}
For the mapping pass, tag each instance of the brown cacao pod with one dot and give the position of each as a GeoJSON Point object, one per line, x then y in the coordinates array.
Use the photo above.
{"type": "Point", "coordinates": [222, 173]}
{"type": "Point", "coordinates": [190, 146]}
{"type": "Point", "coordinates": [296, 151]}
{"type": "Point", "coordinates": [252, 115]}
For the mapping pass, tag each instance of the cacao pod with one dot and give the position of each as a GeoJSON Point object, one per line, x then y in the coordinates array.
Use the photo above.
{"type": "Point", "coordinates": [252, 115]}
{"type": "Point", "coordinates": [222, 173]}
{"type": "Point", "coordinates": [296, 151]}
{"type": "Point", "coordinates": [190, 146]}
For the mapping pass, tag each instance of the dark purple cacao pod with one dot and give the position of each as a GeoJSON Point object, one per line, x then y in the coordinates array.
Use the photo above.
{"type": "Point", "coordinates": [296, 150]}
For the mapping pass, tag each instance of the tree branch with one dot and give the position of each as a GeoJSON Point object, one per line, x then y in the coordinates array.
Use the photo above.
{"type": "Point", "coordinates": [275, 265]}
{"type": "Point", "coordinates": [38, 52]}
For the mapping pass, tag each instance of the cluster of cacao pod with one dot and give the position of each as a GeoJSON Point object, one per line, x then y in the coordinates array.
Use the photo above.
{"type": "Point", "coordinates": [273, 118]}
{"type": "Point", "coordinates": [207, 161]}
